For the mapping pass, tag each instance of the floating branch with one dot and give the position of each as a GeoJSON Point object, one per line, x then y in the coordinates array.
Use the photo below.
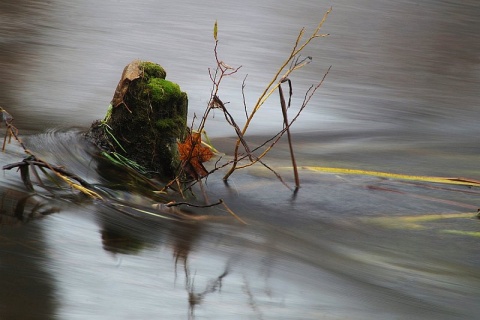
{"type": "Point", "coordinates": [63, 174]}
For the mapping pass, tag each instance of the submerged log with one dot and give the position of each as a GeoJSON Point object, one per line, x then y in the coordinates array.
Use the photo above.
{"type": "Point", "coordinates": [146, 118]}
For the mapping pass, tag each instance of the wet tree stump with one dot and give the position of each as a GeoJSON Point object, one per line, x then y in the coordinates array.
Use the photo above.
{"type": "Point", "coordinates": [146, 118]}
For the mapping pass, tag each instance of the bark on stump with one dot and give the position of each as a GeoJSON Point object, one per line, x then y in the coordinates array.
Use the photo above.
{"type": "Point", "coordinates": [146, 117]}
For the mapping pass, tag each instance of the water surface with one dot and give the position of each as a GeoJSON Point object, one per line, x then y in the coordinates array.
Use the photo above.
{"type": "Point", "coordinates": [402, 96]}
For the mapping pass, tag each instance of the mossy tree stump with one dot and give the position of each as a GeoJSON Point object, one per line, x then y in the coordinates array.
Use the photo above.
{"type": "Point", "coordinates": [146, 118]}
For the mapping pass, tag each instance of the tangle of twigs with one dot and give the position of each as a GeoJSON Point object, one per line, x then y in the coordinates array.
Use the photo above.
{"type": "Point", "coordinates": [294, 62]}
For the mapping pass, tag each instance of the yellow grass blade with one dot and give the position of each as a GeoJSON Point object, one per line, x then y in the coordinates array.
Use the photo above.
{"type": "Point", "coordinates": [463, 233]}
{"type": "Point", "coordinates": [414, 222]}
{"type": "Point", "coordinates": [445, 180]}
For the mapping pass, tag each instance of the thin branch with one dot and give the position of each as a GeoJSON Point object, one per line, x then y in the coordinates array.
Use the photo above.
{"type": "Point", "coordinates": [232, 213]}
{"type": "Point", "coordinates": [217, 103]}
{"type": "Point", "coordinates": [280, 134]}
{"type": "Point", "coordinates": [307, 99]}
{"type": "Point", "coordinates": [285, 120]}
{"type": "Point", "coordinates": [243, 97]}
{"type": "Point", "coordinates": [176, 204]}
{"type": "Point", "coordinates": [273, 85]}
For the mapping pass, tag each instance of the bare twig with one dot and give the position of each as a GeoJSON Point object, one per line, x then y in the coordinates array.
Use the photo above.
{"type": "Point", "coordinates": [176, 204]}
{"type": "Point", "coordinates": [221, 71]}
{"type": "Point", "coordinates": [232, 213]}
{"type": "Point", "coordinates": [287, 126]}
{"type": "Point", "coordinates": [217, 103]}
{"type": "Point", "coordinates": [243, 97]}
{"type": "Point", "coordinates": [274, 83]}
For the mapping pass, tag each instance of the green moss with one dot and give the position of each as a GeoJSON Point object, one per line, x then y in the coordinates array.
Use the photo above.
{"type": "Point", "coordinates": [172, 126]}
{"type": "Point", "coordinates": [152, 70]}
{"type": "Point", "coordinates": [162, 90]}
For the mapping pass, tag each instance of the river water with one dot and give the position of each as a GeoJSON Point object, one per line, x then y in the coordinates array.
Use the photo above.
{"type": "Point", "coordinates": [402, 96]}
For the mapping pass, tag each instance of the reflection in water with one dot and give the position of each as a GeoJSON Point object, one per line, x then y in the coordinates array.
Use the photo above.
{"type": "Point", "coordinates": [27, 288]}
{"type": "Point", "coordinates": [115, 242]}
{"type": "Point", "coordinates": [18, 207]}
{"type": "Point", "coordinates": [184, 239]}
{"type": "Point", "coordinates": [196, 298]}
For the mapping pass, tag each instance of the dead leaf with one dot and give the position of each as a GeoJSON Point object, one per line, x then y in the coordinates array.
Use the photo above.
{"type": "Point", "coordinates": [130, 72]}
{"type": "Point", "coordinates": [193, 154]}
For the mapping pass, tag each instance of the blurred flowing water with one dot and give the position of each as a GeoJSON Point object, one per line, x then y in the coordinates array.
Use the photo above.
{"type": "Point", "coordinates": [402, 96]}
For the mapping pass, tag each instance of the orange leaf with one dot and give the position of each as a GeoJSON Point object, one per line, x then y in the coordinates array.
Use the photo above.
{"type": "Point", "coordinates": [193, 154]}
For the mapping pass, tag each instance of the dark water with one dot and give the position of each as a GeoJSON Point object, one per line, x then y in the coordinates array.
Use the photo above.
{"type": "Point", "coordinates": [402, 96]}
